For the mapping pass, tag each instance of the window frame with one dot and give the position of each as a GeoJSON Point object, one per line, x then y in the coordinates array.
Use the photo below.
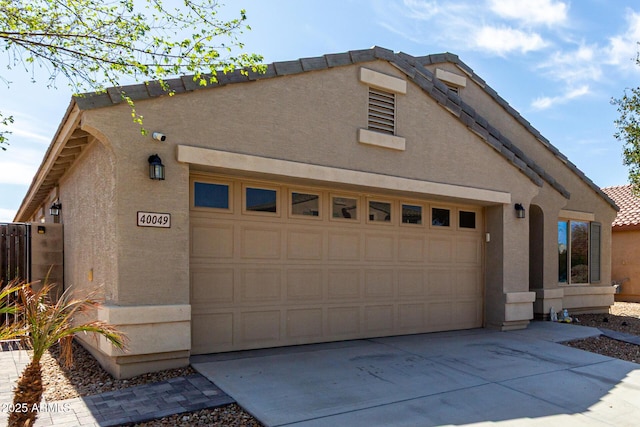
{"type": "Point", "coordinates": [423, 208]}
{"type": "Point", "coordinates": [475, 222]}
{"type": "Point", "coordinates": [259, 186]}
{"type": "Point", "coordinates": [440, 227]}
{"type": "Point", "coordinates": [192, 195]}
{"type": "Point", "coordinates": [292, 215]}
{"type": "Point", "coordinates": [593, 270]}
{"type": "Point", "coordinates": [391, 211]}
{"type": "Point", "coordinates": [355, 197]}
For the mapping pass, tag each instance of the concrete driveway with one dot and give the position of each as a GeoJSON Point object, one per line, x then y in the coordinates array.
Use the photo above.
{"type": "Point", "coordinates": [478, 377]}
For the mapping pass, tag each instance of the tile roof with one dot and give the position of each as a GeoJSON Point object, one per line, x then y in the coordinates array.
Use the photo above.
{"type": "Point", "coordinates": [413, 67]}
{"type": "Point", "coordinates": [629, 213]}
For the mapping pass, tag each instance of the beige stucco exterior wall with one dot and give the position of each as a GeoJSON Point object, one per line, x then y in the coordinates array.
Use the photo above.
{"type": "Point", "coordinates": [87, 194]}
{"type": "Point", "coordinates": [625, 254]}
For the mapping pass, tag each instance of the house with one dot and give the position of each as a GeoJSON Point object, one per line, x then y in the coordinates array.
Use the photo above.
{"type": "Point", "coordinates": [352, 195]}
{"type": "Point", "coordinates": [625, 248]}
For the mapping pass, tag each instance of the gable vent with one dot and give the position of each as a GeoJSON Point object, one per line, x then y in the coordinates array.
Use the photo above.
{"type": "Point", "coordinates": [382, 111]}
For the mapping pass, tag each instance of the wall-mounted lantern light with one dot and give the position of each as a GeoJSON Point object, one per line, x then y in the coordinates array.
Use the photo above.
{"type": "Point", "coordinates": [156, 168]}
{"type": "Point", "coordinates": [54, 210]}
{"type": "Point", "coordinates": [519, 210]}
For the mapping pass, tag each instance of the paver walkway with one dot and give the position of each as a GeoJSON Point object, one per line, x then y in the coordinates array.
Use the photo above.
{"type": "Point", "coordinates": [130, 405]}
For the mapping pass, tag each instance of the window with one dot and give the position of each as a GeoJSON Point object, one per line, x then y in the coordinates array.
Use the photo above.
{"type": "Point", "coordinates": [261, 200]}
{"type": "Point", "coordinates": [411, 214]}
{"type": "Point", "coordinates": [344, 207]}
{"type": "Point", "coordinates": [466, 219]}
{"type": "Point", "coordinates": [382, 111]}
{"type": "Point", "coordinates": [379, 211]}
{"type": "Point", "coordinates": [206, 195]}
{"type": "Point", "coordinates": [305, 204]}
{"type": "Point", "coordinates": [578, 252]}
{"type": "Point", "coordinates": [440, 217]}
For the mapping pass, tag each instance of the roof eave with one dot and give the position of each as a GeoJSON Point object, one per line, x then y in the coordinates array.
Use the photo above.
{"type": "Point", "coordinates": [32, 200]}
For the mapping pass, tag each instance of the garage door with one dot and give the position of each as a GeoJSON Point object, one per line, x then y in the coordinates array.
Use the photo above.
{"type": "Point", "coordinates": [275, 264]}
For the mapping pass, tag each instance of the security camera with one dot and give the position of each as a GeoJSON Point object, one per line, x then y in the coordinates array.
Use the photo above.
{"type": "Point", "coordinates": [159, 136]}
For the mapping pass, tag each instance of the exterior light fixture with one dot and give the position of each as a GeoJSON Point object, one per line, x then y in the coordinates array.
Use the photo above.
{"type": "Point", "coordinates": [156, 168]}
{"type": "Point", "coordinates": [520, 213]}
{"type": "Point", "coordinates": [54, 210]}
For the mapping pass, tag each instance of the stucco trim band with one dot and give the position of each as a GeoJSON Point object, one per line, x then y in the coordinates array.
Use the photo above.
{"type": "Point", "coordinates": [381, 140]}
{"type": "Point", "coordinates": [577, 215]}
{"type": "Point", "coordinates": [248, 163]}
{"type": "Point", "coordinates": [149, 328]}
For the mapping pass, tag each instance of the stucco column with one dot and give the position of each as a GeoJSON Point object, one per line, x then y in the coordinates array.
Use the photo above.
{"type": "Point", "coordinates": [508, 301]}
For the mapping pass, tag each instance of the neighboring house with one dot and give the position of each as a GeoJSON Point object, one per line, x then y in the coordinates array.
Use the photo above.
{"type": "Point", "coordinates": [351, 195]}
{"type": "Point", "coordinates": [625, 246]}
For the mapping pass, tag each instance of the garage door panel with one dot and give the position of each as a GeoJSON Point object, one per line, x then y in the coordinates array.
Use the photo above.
{"type": "Point", "coordinates": [344, 284]}
{"type": "Point", "coordinates": [469, 313]}
{"type": "Point", "coordinates": [343, 322]}
{"type": "Point", "coordinates": [344, 246]}
{"type": "Point", "coordinates": [212, 286]}
{"type": "Point", "coordinates": [305, 285]}
{"type": "Point", "coordinates": [411, 283]}
{"type": "Point", "coordinates": [411, 317]}
{"type": "Point", "coordinates": [304, 245]}
{"type": "Point", "coordinates": [260, 243]}
{"type": "Point", "coordinates": [468, 250]}
{"type": "Point", "coordinates": [468, 283]}
{"type": "Point", "coordinates": [379, 283]}
{"type": "Point", "coordinates": [378, 320]}
{"type": "Point", "coordinates": [214, 241]}
{"type": "Point", "coordinates": [378, 247]}
{"type": "Point", "coordinates": [440, 314]}
{"type": "Point", "coordinates": [305, 323]}
{"type": "Point", "coordinates": [440, 249]}
{"type": "Point", "coordinates": [441, 282]}
{"type": "Point", "coordinates": [211, 332]}
{"type": "Point", "coordinates": [411, 249]}
{"type": "Point", "coordinates": [261, 285]}
{"type": "Point", "coordinates": [260, 327]}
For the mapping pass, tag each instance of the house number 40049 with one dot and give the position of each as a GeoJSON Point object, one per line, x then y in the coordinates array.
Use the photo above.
{"type": "Point", "coordinates": [153, 219]}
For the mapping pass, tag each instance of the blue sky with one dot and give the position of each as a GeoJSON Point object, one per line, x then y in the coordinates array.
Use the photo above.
{"type": "Point", "coordinates": [558, 63]}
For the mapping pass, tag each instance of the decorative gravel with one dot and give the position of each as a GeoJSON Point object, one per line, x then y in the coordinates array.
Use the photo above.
{"type": "Point", "coordinates": [86, 377]}
{"type": "Point", "coordinates": [623, 317]}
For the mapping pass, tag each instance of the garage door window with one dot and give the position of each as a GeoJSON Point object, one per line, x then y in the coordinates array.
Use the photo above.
{"type": "Point", "coordinates": [440, 217]}
{"type": "Point", "coordinates": [466, 219]}
{"type": "Point", "coordinates": [411, 214]}
{"type": "Point", "coordinates": [207, 195]}
{"type": "Point", "coordinates": [261, 200]}
{"type": "Point", "coordinates": [305, 204]}
{"type": "Point", "coordinates": [379, 211]}
{"type": "Point", "coordinates": [344, 208]}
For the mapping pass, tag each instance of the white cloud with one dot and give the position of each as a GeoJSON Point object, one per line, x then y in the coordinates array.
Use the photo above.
{"type": "Point", "coordinates": [623, 48]}
{"type": "Point", "coordinates": [422, 10]}
{"type": "Point", "coordinates": [7, 215]}
{"type": "Point", "coordinates": [506, 40]}
{"type": "Point", "coordinates": [547, 102]}
{"type": "Point", "coordinates": [575, 66]}
{"type": "Point", "coordinates": [533, 12]}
